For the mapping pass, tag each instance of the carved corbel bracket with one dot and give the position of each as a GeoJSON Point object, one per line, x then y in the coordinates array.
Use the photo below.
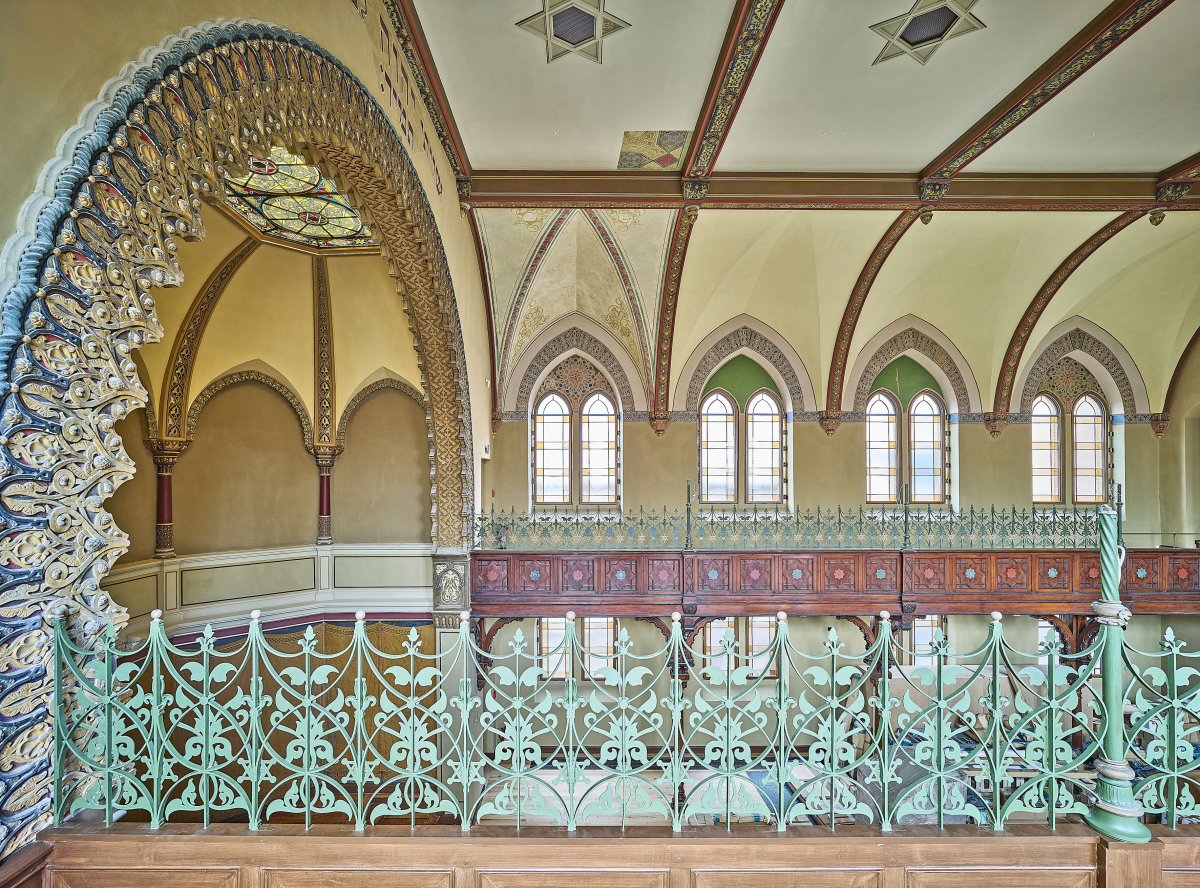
{"type": "Point", "coordinates": [659, 420]}
{"type": "Point", "coordinates": [829, 420]}
{"type": "Point", "coordinates": [995, 423]}
{"type": "Point", "coordinates": [1159, 422]}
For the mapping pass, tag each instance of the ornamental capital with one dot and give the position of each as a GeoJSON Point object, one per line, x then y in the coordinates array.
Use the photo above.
{"type": "Point", "coordinates": [829, 420]}
{"type": "Point", "coordinates": [995, 423]}
{"type": "Point", "coordinates": [1169, 192]}
{"type": "Point", "coordinates": [165, 451]}
{"type": "Point", "coordinates": [325, 455]}
{"type": "Point", "coordinates": [933, 190]}
{"type": "Point", "coordinates": [659, 420]}
{"type": "Point", "coordinates": [1159, 422]}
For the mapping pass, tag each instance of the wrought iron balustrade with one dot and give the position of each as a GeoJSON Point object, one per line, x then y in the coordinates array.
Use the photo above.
{"type": "Point", "coordinates": [674, 733]}
{"type": "Point", "coordinates": [865, 527]}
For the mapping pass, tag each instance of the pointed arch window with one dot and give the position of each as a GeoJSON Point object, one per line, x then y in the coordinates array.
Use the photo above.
{"type": "Point", "coordinates": [1046, 432]}
{"type": "Point", "coordinates": [1088, 441]}
{"type": "Point", "coordinates": [882, 450]}
{"type": "Point", "coordinates": [552, 451]}
{"type": "Point", "coordinates": [926, 449]}
{"type": "Point", "coordinates": [598, 450]}
{"type": "Point", "coordinates": [764, 449]}
{"type": "Point", "coordinates": [718, 449]}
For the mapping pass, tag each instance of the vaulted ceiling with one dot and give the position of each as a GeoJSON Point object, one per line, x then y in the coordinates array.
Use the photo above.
{"type": "Point", "coordinates": [1049, 148]}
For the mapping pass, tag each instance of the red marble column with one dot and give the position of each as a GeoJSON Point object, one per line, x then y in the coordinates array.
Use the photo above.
{"type": "Point", "coordinates": [165, 452]}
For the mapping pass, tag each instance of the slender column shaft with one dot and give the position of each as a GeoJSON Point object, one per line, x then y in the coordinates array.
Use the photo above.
{"type": "Point", "coordinates": [324, 506]}
{"type": "Point", "coordinates": [165, 452]}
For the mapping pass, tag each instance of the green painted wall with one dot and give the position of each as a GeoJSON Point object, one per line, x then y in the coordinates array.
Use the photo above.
{"type": "Point", "coordinates": [910, 375]}
{"type": "Point", "coordinates": [741, 376]}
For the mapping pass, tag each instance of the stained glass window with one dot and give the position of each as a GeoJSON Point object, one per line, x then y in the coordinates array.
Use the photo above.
{"type": "Point", "coordinates": [284, 197]}
{"type": "Point", "coordinates": [598, 450]}
{"type": "Point", "coordinates": [599, 642]}
{"type": "Point", "coordinates": [1088, 436]}
{"type": "Point", "coordinates": [759, 632]}
{"type": "Point", "coordinates": [552, 635]}
{"type": "Point", "coordinates": [718, 450]}
{"type": "Point", "coordinates": [1047, 451]}
{"type": "Point", "coordinates": [882, 448]}
{"type": "Point", "coordinates": [716, 634]}
{"type": "Point", "coordinates": [552, 451]}
{"type": "Point", "coordinates": [926, 448]}
{"type": "Point", "coordinates": [764, 450]}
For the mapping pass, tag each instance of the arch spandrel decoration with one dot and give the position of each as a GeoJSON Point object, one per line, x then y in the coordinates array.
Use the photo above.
{"type": "Point", "coordinates": [575, 378]}
{"type": "Point", "coordinates": [168, 133]}
{"type": "Point", "coordinates": [569, 340]}
{"type": "Point", "coordinates": [1081, 341]}
{"type": "Point", "coordinates": [744, 339]}
{"type": "Point", "coordinates": [365, 392]}
{"type": "Point", "coordinates": [911, 340]}
{"type": "Point", "coordinates": [1067, 380]}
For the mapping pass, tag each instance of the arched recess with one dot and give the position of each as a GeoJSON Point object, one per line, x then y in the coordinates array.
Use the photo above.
{"type": "Point", "coordinates": [127, 182]}
{"type": "Point", "coordinates": [930, 348]}
{"type": "Point", "coordinates": [238, 376]}
{"type": "Point", "coordinates": [552, 346]}
{"type": "Point", "coordinates": [1101, 353]}
{"type": "Point", "coordinates": [746, 335]}
{"type": "Point", "coordinates": [365, 392]}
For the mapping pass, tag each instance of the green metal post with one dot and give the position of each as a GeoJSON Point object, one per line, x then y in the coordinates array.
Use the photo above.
{"type": "Point", "coordinates": [1116, 813]}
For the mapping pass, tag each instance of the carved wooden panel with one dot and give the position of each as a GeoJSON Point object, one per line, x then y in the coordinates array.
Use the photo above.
{"type": "Point", "coordinates": [712, 574]}
{"type": "Point", "coordinates": [578, 574]}
{"type": "Point", "coordinates": [663, 575]}
{"type": "Point", "coordinates": [755, 574]}
{"type": "Point", "coordinates": [797, 573]}
{"type": "Point", "coordinates": [789, 878]}
{"type": "Point", "coordinates": [1008, 877]}
{"type": "Point", "coordinates": [1012, 573]}
{"type": "Point", "coordinates": [576, 878]}
{"type": "Point", "coordinates": [534, 574]}
{"type": "Point", "coordinates": [144, 877]}
{"type": "Point", "coordinates": [840, 574]}
{"type": "Point", "coordinates": [491, 574]}
{"type": "Point", "coordinates": [620, 575]}
{"type": "Point", "coordinates": [1053, 573]}
{"type": "Point", "coordinates": [880, 572]}
{"type": "Point", "coordinates": [928, 573]}
{"type": "Point", "coordinates": [1184, 573]}
{"type": "Point", "coordinates": [357, 878]}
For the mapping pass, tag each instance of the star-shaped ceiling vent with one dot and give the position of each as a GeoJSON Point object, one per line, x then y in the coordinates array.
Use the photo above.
{"type": "Point", "coordinates": [920, 31]}
{"type": "Point", "coordinates": [573, 26]}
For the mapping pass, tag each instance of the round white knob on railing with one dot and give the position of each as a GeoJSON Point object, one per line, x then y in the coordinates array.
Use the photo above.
{"type": "Point", "coordinates": [781, 617]}
{"type": "Point", "coordinates": [464, 616]}
{"type": "Point", "coordinates": [570, 616]}
{"type": "Point", "coordinates": [997, 616]}
{"type": "Point", "coordinates": [255, 616]}
{"type": "Point", "coordinates": [885, 616]}
{"type": "Point", "coordinates": [360, 615]}
{"type": "Point", "coordinates": [676, 617]}
{"type": "Point", "coordinates": [156, 615]}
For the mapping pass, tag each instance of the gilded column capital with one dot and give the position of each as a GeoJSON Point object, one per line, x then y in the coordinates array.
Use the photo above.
{"type": "Point", "coordinates": [829, 420]}
{"type": "Point", "coordinates": [165, 451]}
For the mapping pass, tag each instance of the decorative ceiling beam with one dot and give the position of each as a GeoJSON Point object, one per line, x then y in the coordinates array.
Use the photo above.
{"type": "Point", "coordinates": [749, 29]}
{"type": "Point", "coordinates": [831, 417]}
{"type": "Point", "coordinates": [1174, 183]}
{"type": "Point", "coordinates": [1160, 421]}
{"type": "Point", "coordinates": [998, 418]}
{"type": "Point", "coordinates": [407, 24]}
{"type": "Point", "coordinates": [1100, 37]}
{"type": "Point", "coordinates": [1106, 192]}
{"type": "Point", "coordinates": [486, 282]}
{"type": "Point", "coordinates": [660, 397]}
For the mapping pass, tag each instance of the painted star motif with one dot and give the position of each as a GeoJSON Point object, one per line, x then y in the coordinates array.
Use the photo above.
{"type": "Point", "coordinates": [573, 26]}
{"type": "Point", "coordinates": [920, 31]}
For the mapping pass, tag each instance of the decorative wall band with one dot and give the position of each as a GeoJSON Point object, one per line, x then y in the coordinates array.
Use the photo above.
{"type": "Point", "coordinates": [660, 396]}
{"type": "Point", "coordinates": [323, 345]}
{"type": "Point", "coordinates": [354, 403]}
{"type": "Point", "coordinates": [751, 340]}
{"type": "Point", "coordinates": [560, 345]}
{"type": "Point", "coordinates": [210, 391]}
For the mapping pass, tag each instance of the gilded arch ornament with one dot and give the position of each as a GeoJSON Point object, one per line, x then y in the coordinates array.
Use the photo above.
{"type": "Point", "coordinates": [748, 339]}
{"type": "Point", "coordinates": [564, 342]}
{"type": "Point", "coordinates": [1082, 341]}
{"type": "Point", "coordinates": [200, 105]}
{"type": "Point", "coordinates": [905, 341]}
{"type": "Point", "coordinates": [365, 392]}
{"type": "Point", "coordinates": [224, 382]}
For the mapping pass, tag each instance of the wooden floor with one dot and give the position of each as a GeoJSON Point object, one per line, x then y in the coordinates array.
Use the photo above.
{"type": "Point", "coordinates": [286, 856]}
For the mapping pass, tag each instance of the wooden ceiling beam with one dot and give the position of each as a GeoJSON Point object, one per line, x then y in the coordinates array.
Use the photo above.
{"type": "Point", "coordinates": [1175, 182]}
{"type": "Point", "coordinates": [1100, 37]}
{"type": "Point", "coordinates": [747, 35]}
{"type": "Point", "coordinates": [984, 191]}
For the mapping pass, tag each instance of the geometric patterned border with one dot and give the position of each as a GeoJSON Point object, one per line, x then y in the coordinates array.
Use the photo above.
{"type": "Point", "coordinates": [210, 390]}
{"type": "Point", "coordinates": [751, 340]}
{"type": "Point", "coordinates": [910, 340]}
{"type": "Point", "coordinates": [1077, 340]}
{"type": "Point", "coordinates": [354, 403]}
{"type": "Point", "coordinates": [573, 338]}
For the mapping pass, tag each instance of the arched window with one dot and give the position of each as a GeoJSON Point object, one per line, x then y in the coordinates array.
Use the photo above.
{"type": "Point", "coordinates": [882, 456]}
{"type": "Point", "coordinates": [926, 449]}
{"type": "Point", "coordinates": [552, 451]}
{"type": "Point", "coordinates": [764, 450]}
{"type": "Point", "coordinates": [718, 450]}
{"type": "Point", "coordinates": [1088, 440]}
{"type": "Point", "coordinates": [598, 450]}
{"type": "Point", "coordinates": [1046, 432]}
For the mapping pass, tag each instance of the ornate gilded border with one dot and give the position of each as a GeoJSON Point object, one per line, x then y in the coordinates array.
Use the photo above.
{"type": "Point", "coordinates": [354, 403]}
{"type": "Point", "coordinates": [747, 338]}
{"type": "Point", "coordinates": [224, 382]}
{"type": "Point", "coordinates": [905, 341]}
{"type": "Point", "coordinates": [660, 394]}
{"type": "Point", "coordinates": [1078, 340]}
{"type": "Point", "coordinates": [560, 345]}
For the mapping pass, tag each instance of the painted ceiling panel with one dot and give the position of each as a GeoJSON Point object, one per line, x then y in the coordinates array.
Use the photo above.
{"type": "Point", "coordinates": [791, 269]}
{"type": "Point", "coordinates": [544, 264]}
{"type": "Point", "coordinates": [515, 111]}
{"type": "Point", "coordinates": [1143, 287]}
{"type": "Point", "coordinates": [1138, 109]}
{"type": "Point", "coordinates": [972, 275]}
{"type": "Point", "coordinates": [817, 103]}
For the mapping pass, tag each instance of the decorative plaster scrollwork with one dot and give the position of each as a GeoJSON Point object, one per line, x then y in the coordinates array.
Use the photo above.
{"type": "Point", "coordinates": [910, 340]}
{"type": "Point", "coordinates": [352, 406]}
{"type": "Point", "coordinates": [752, 340]}
{"type": "Point", "coordinates": [1078, 340]}
{"type": "Point", "coordinates": [210, 390]}
{"type": "Point", "coordinates": [561, 344]}
{"type": "Point", "coordinates": [198, 108]}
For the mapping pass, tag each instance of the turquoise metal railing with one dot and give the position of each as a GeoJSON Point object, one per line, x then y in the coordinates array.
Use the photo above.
{"type": "Point", "coordinates": [866, 527]}
{"type": "Point", "coordinates": [675, 734]}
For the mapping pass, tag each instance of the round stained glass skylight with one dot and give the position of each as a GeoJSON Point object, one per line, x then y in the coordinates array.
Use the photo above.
{"type": "Point", "coordinates": [284, 197]}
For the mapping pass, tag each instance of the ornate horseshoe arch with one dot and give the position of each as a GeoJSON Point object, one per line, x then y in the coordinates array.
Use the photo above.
{"type": "Point", "coordinates": [81, 306]}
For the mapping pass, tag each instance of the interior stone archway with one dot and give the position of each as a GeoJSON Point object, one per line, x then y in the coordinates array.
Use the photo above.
{"type": "Point", "coordinates": [201, 104]}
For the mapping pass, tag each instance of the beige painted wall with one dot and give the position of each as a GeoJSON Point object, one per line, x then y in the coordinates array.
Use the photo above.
{"type": "Point", "coordinates": [380, 485]}
{"type": "Point", "coordinates": [134, 505]}
{"type": "Point", "coordinates": [246, 482]}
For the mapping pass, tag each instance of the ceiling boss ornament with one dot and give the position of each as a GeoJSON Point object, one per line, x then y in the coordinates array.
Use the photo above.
{"type": "Point", "coordinates": [573, 26]}
{"type": "Point", "coordinates": [919, 32]}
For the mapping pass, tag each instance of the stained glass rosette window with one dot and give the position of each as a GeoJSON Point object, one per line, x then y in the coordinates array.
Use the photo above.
{"type": "Point", "coordinates": [284, 197]}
